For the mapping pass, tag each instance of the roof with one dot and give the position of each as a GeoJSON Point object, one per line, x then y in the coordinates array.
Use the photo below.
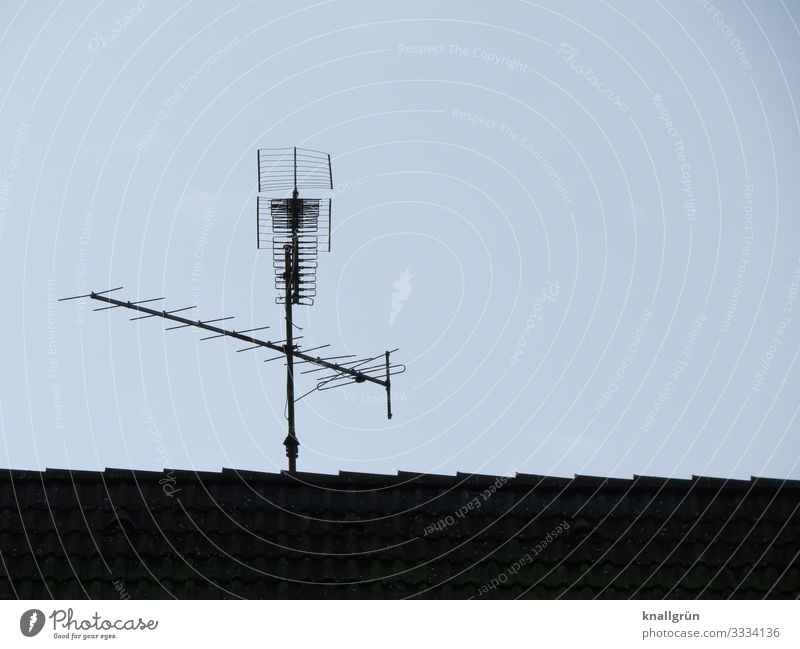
{"type": "Point", "coordinates": [239, 534]}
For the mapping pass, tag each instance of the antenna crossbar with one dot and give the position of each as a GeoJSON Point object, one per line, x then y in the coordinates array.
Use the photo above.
{"type": "Point", "coordinates": [254, 342]}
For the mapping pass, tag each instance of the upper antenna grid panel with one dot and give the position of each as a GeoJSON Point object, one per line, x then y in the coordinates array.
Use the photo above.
{"type": "Point", "coordinates": [289, 168]}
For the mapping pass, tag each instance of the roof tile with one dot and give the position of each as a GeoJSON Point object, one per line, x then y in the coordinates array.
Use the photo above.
{"type": "Point", "coordinates": [251, 534]}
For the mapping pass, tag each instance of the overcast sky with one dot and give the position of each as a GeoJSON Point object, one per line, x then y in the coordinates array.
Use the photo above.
{"type": "Point", "coordinates": [577, 221]}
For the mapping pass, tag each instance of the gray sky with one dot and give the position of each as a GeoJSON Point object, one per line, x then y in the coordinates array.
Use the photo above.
{"type": "Point", "coordinates": [577, 221]}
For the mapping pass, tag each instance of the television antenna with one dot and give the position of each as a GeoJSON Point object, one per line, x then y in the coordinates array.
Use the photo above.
{"type": "Point", "coordinates": [296, 230]}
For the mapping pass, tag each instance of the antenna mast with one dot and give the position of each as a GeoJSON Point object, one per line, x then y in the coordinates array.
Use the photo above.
{"type": "Point", "coordinates": [294, 229]}
{"type": "Point", "coordinates": [294, 224]}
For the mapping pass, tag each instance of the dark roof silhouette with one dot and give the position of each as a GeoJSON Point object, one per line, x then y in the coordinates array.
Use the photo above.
{"type": "Point", "coordinates": [186, 534]}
